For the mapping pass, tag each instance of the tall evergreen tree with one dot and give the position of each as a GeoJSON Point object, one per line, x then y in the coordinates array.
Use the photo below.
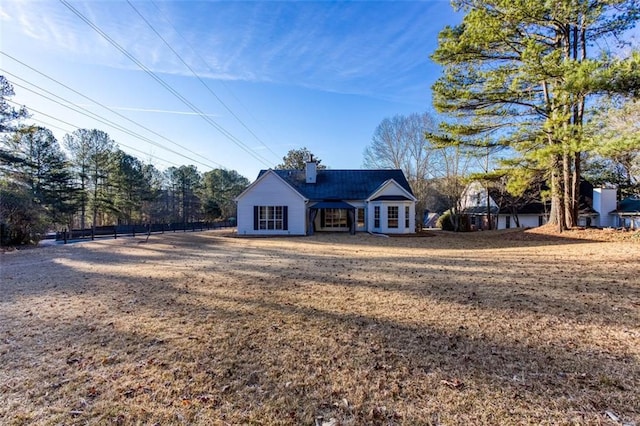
{"type": "Point", "coordinates": [131, 187]}
{"type": "Point", "coordinates": [91, 152]}
{"type": "Point", "coordinates": [184, 184]}
{"type": "Point", "coordinates": [220, 188]}
{"type": "Point", "coordinates": [42, 167]}
{"type": "Point", "coordinates": [10, 118]}
{"type": "Point", "coordinates": [9, 115]}
{"type": "Point", "coordinates": [522, 72]}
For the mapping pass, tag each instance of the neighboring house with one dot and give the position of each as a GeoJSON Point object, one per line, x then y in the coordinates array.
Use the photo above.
{"type": "Point", "coordinates": [301, 202]}
{"type": "Point", "coordinates": [526, 211]}
{"type": "Point", "coordinates": [627, 214]}
{"type": "Point", "coordinates": [595, 208]}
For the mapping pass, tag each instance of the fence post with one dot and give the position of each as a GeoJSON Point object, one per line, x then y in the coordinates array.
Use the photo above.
{"type": "Point", "coordinates": [92, 233]}
{"type": "Point", "coordinates": [115, 232]}
{"type": "Point", "coordinates": [133, 229]}
{"type": "Point", "coordinates": [64, 235]}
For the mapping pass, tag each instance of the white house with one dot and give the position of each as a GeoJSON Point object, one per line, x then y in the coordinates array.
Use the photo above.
{"type": "Point", "coordinates": [597, 207]}
{"type": "Point", "coordinates": [527, 212]}
{"type": "Point", "coordinates": [301, 202]}
{"type": "Point", "coordinates": [627, 215]}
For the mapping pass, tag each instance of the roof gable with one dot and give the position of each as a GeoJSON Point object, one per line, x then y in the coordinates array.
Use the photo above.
{"type": "Point", "coordinates": [391, 190]}
{"type": "Point", "coordinates": [341, 184]}
{"type": "Point", "coordinates": [263, 177]}
{"type": "Point", "coordinates": [630, 205]}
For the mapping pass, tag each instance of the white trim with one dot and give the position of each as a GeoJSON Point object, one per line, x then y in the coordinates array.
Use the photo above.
{"type": "Point", "coordinates": [268, 172]}
{"type": "Point", "coordinates": [385, 184]}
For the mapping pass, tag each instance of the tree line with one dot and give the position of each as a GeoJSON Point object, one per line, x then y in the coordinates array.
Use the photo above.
{"type": "Point", "coordinates": [87, 181]}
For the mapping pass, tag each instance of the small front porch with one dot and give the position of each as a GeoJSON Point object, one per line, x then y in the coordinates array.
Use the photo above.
{"type": "Point", "coordinates": [334, 216]}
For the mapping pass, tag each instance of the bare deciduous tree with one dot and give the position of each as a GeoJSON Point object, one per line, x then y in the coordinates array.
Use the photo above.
{"type": "Point", "coordinates": [399, 143]}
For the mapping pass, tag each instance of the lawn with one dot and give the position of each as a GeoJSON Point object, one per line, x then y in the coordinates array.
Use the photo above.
{"type": "Point", "coordinates": [504, 327]}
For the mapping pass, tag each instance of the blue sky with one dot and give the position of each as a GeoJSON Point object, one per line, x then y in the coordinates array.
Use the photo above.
{"type": "Point", "coordinates": [241, 83]}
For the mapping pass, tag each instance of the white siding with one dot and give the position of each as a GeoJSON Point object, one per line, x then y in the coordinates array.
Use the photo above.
{"type": "Point", "coordinates": [526, 221]}
{"type": "Point", "coordinates": [270, 190]}
{"type": "Point", "coordinates": [475, 195]}
{"type": "Point", "coordinates": [604, 201]}
{"type": "Point", "coordinates": [391, 189]}
{"type": "Point", "coordinates": [384, 218]}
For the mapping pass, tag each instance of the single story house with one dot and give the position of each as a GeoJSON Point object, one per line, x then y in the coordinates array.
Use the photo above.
{"type": "Point", "coordinates": [301, 202]}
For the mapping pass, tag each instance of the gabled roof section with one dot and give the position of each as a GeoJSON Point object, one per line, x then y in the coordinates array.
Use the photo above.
{"type": "Point", "coordinates": [630, 206]}
{"type": "Point", "coordinates": [262, 176]}
{"type": "Point", "coordinates": [377, 194]}
{"type": "Point", "coordinates": [341, 184]}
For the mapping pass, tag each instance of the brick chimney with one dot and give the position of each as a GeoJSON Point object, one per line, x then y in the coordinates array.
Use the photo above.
{"type": "Point", "coordinates": [311, 170]}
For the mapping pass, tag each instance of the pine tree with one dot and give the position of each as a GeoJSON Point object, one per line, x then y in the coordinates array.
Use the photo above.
{"type": "Point", "coordinates": [91, 152]}
{"type": "Point", "coordinates": [521, 73]}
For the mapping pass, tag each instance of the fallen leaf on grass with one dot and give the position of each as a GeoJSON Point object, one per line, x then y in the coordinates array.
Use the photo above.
{"type": "Point", "coordinates": [454, 384]}
{"type": "Point", "coordinates": [612, 416]}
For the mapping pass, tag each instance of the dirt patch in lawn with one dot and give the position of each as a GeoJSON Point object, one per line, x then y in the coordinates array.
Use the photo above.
{"type": "Point", "coordinates": [504, 327]}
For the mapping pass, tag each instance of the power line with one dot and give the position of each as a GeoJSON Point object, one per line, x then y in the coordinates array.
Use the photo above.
{"type": "Point", "coordinates": [74, 126]}
{"type": "Point", "coordinates": [87, 113]}
{"type": "Point", "coordinates": [112, 111]}
{"type": "Point", "coordinates": [51, 125]}
{"type": "Point", "coordinates": [167, 86]}
{"type": "Point", "coordinates": [194, 72]}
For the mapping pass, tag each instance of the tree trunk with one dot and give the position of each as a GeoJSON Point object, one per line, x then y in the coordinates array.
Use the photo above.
{"type": "Point", "coordinates": [489, 227]}
{"type": "Point", "coordinates": [567, 190]}
{"type": "Point", "coordinates": [557, 216]}
{"type": "Point", "coordinates": [576, 187]}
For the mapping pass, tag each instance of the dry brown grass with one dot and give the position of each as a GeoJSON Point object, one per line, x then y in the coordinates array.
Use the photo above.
{"type": "Point", "coordinates": [485, 328]}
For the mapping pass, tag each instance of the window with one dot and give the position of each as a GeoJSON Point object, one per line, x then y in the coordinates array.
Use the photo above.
{"type": "Point", "coordinates": [270, 217]}
{"type": "Point", "coordinates": [334, 218]}
{"type": "Point", "coordinates": [407, 211]}
{"type": "Point", "coordinates": [360, 218]}
{"type": "Point", "coordinates": [392, 216]}
{"type": "Point", "coordinates": [376, 217]}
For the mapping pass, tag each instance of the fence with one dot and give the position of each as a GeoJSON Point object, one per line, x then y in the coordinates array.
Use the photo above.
{"type": "Point", "coordinates": [132, 230]}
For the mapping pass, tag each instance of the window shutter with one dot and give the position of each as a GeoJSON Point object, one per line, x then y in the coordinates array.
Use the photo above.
{"type": "Point", "coordinates": [285, 218]}
{"type": "Point", "coordinates": [255, 218]}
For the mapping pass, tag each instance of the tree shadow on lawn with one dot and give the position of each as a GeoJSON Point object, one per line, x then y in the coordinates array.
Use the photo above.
{"type": "Point", "coordinates": [497, 239]}
{"type": "Point", "coordinates": [512, 282]}
{"type": "Point", "coordinates": [238, 352]}
{"type": "Point", "coordinates": [581, 291]}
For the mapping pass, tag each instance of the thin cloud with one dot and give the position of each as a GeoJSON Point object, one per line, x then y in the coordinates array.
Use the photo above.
{"type": "Point", "coordinates": [155, 110]}
{"type": "Point", "coordinates": [353, 48]}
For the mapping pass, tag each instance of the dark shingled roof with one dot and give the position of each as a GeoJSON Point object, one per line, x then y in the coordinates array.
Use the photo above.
{"type": "Point", "coordinates": [341, 184]}
{"type": "Point", "coordinates": [628, 206]}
